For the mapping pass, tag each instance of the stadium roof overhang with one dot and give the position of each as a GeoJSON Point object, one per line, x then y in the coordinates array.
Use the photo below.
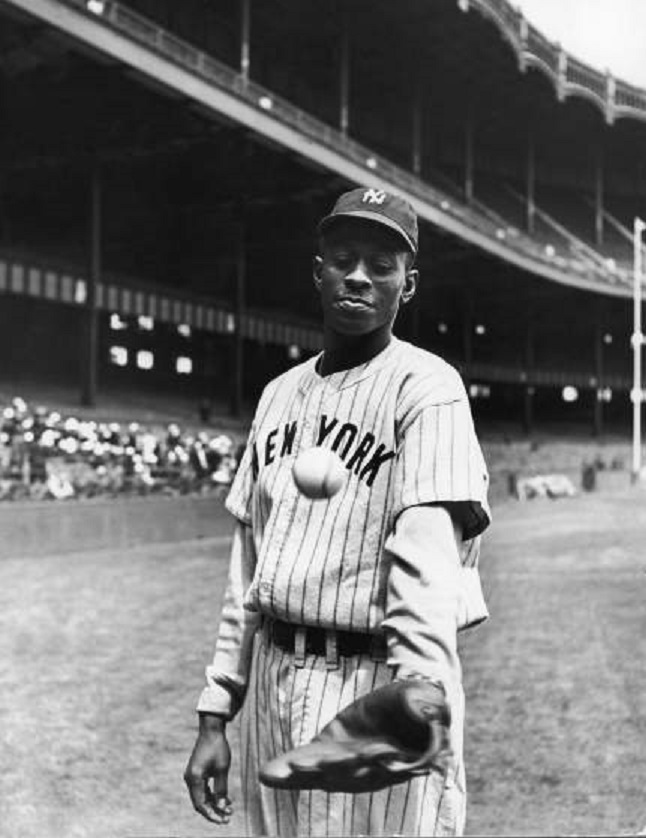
{"type": "Point", "coordinates": [180, 70]}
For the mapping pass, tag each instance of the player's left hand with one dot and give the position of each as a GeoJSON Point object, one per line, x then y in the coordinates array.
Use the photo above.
{"type": "Point", "coordinates": [386, 737]}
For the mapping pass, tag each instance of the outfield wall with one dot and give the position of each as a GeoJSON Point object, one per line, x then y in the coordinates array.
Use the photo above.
{"type": "Point", "coordinates": [47, 528]}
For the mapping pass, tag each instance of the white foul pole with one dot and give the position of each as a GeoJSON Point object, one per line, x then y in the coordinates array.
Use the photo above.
{"type": "Point", "coordinates": [637, 341]}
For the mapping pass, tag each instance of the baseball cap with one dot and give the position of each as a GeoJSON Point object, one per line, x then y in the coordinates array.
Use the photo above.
{"type": "Point", "coordinates": [379, 206]}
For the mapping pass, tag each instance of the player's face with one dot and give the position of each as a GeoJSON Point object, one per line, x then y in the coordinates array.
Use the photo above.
{"type": "Point", "coordinates": [363, 276]}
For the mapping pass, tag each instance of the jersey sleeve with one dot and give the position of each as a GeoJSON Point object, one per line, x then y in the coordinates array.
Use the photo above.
{"type": "Point", "coordinates": [439, 459]}
{"type": "Point", "coordinates": [239, 499]}
{"type": "Point", "coordinates": [228, 674]}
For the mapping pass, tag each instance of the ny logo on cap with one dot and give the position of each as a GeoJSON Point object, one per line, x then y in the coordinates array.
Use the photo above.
{"type": "Point", "coordinates": [374, 196]}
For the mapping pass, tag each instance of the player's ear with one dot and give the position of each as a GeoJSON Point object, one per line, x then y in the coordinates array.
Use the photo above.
{"type": "Point", "coordinates": [317, 265]}
{"type": "Point", "coordinates": [410, 285]}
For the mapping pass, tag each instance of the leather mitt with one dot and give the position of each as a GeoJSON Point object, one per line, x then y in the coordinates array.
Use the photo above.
{"type": "Point", "coordinates": [386, 737]}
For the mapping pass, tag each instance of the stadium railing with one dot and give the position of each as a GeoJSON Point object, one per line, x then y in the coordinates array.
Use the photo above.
{"type": "Point", "coordinates": [595, 261]}
{"type": "Point", "coordinates": [570, 76]}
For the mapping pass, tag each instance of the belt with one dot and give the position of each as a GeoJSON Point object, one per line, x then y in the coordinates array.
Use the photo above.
{"type": "Point", "coordinates": [319, 640]}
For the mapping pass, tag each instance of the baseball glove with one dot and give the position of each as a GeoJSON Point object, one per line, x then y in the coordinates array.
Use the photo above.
{"type": "Point", "coordinates": [386, 737]}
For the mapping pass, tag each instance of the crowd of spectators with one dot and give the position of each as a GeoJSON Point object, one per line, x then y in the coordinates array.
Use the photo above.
{"type": "Point", "coordinates": [44, 455]}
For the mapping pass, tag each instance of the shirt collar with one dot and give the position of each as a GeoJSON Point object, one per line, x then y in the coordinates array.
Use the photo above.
{"type": "Point", "coordinates": [346, 378]}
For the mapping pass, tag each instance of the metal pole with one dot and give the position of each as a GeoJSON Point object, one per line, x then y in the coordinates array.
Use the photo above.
{"type": "Point", "coordinates": [344, 81]}
{"type": "Point", "coordinates": [467, 337]}
{"type": "Point", "coordinates": [468, 157]}
{"type": "Point", "coordinates": [90, 332]}
{"type": "Point", "coordinates": [598, 360]}
{"type": "Point", "coordinates": [598, 200]}
{"type": "Point", "coordinates": [637, 340]}
{"type": "Point", "coordinates": [245, 32]}
{"type": "Point", "coordinates": [529, 369]}
{"type": "Point", "coordinates": [531, 183]}
{"type": "Point", "coordinates": [417, 133]}
{"type": "Point", "coordinates": [240, 304]}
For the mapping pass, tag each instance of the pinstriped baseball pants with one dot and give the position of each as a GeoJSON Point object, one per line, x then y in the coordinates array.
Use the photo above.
{"type": "Point", "coordinates": [285, 707]}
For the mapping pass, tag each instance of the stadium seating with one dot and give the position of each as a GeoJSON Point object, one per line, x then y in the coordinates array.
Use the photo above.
{"type": "Point", "coordinates": [44, 455]}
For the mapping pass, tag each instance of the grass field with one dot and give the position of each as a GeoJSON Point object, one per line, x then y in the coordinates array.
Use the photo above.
{"type": "Point", "coordinates": [102, 658]}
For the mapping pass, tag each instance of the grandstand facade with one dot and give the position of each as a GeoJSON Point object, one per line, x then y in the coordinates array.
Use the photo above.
{"type": "Point", "coordinates": [162, 168]}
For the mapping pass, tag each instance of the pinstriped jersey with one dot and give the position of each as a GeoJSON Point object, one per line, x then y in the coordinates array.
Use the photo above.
{"type": "Point", "coordinates": [402, 425]}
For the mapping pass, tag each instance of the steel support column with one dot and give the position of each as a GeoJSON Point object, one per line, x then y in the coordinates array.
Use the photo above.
{"type": "Point", "coordinates": [344, 81]}
{"type": "Point", "coordinates": [598, 199]}
{"type": "Point", "coordinates": [598, 373]}
{"type": "Point", "coordinates": [245, 39]}
{"type": "Point", "coordinates": [637, 342]}
{"type": "Point", "coordinates": [531, 184]}
{"type": "Point", "coordinates": [467, 337]}
{"type": "Point", "coordinates": [417, 133]}
{"type": "Point", "coordinates": [237, 394]}
{"type": "Point", "coordinates": [89, 353]}
{"type": "Point", "coordinates": [468, 157]}
{"type": "Point", "coordinates": [5, 225]}
{"type": "Point", "coordinates": [528, 394]}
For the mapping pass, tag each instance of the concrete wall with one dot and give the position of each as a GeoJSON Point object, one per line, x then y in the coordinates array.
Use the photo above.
{"type": "Point", "coordinates": [49, 527]}
{"type": "Point", "coordinates": [552, 456]}
{"type": "Point", "coordinates": [36, 529]}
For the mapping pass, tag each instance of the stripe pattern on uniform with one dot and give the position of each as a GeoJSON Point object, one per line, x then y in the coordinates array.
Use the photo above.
{"type": "Point", "coordinates": [402, 425]}
{"type": "Point", "coordinates": [285, 708]}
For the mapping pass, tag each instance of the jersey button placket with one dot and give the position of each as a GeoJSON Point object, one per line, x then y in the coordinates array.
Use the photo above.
{"type": "Point", "coordinates": [308, 436]}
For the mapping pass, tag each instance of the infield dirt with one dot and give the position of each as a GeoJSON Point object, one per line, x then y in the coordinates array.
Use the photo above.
{"type": "Point", "coordinates": [102, 657]}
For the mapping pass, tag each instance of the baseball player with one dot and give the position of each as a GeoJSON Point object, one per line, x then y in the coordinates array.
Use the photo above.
{"type": "Point", "coordinates": [329, 600]}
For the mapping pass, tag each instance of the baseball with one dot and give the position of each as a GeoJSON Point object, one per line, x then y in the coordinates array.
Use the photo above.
{"type": "Point", "coordinates": [319, 473]}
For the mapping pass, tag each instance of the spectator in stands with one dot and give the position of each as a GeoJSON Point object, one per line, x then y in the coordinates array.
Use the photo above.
{"type": "Point", "coordinates": [43, 455]}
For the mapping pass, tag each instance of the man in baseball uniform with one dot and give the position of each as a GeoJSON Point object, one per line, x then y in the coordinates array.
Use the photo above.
{"type": "Point", "coordinates": [328, 600]}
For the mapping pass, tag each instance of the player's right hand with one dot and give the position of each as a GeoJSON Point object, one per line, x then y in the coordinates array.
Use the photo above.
{"type": "Point", "coordinates": [207, 771]}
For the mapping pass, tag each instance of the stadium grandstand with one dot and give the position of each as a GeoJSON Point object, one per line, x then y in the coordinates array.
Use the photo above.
{"type": "Point", "coordinates": [162, 167]}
